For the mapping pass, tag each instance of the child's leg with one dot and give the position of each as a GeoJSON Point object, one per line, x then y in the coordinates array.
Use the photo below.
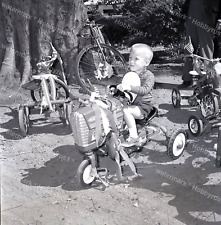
{"type": "Point", "coordinates": [130, 114]}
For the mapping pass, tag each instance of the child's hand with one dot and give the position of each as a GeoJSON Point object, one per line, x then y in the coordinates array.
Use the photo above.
{"type": "Point", "coordinates": [124, 87]}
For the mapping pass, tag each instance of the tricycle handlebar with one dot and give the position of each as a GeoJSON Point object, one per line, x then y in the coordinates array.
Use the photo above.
{"type": "Point", "coordinates": [204, 58]}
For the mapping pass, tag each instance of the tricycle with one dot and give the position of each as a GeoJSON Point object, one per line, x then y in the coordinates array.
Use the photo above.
{"type": "Point", "coordinates": [205, 89]}
{"type": "Point", "coordinates": [49, 93]}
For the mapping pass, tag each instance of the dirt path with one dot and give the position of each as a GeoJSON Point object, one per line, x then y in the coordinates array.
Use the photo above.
{"type": "Point", "coordinates": [38, 174]}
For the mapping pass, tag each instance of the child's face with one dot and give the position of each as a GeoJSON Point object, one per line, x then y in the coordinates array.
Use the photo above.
{"type": "Point", "coordinates": [137, 61]}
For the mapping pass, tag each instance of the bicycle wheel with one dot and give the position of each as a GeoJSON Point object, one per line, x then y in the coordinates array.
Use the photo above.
{"type": "Point", "coordinates": [99, 66]}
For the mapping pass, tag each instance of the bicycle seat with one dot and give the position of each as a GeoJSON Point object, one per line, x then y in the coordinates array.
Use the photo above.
{"type": "Point", "coordinates": [31, 85]}
{"type": "Point", "coordinates": [149, 117]}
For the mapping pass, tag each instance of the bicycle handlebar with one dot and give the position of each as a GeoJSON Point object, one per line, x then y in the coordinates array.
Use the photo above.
{"type": "Point", "coordinates": [93, 24]}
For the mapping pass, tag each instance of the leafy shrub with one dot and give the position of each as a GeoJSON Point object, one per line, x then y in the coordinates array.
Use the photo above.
{"type": "Point", "coordinates": [148, 21]}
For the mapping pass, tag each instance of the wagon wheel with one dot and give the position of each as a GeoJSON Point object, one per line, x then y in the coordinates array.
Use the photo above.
{"type": "Point", "coordinates": [23, 119]}
{"type": "Point", "coordinates": [195, 126]}
{"type": "Point", "coordinates": [177, 144]}
{"type": "Point", "coordinates": [176, 97]}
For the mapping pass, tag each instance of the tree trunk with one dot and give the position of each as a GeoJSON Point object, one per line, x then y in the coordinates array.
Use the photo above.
{"type": "Point", "coordinates": [8, 67]}
{"type": "Point", "coordinates": [27, 27]}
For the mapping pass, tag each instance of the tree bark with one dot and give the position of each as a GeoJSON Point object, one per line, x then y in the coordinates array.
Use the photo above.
{"type": "Point", "coordinates": [8, 67]}
{"type": "Point", "coordinates": [27, 27]}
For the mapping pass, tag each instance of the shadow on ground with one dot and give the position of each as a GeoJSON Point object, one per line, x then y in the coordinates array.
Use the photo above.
{"type": "Point", "coordinates": [38, 125]}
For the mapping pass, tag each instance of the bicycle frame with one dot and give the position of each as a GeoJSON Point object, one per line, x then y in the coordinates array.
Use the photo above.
{"type": "Point", "coordinates": [97, 36]}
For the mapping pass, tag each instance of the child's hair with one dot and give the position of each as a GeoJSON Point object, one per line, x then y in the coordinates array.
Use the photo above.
{"type": "Point", "coordinates": [143, 49]}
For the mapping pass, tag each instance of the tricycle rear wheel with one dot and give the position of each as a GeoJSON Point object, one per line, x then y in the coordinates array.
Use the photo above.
{"type": "Point", "coordinates": [176, 97]}
{"type": "Point", "coordinates": [23, 119]}
{"type": "Point", "coordinates": [195, 125]}
{"type": "Point", "coordinates": [177, 144]}
{"type": "Point", "coordinates": [218, 151]}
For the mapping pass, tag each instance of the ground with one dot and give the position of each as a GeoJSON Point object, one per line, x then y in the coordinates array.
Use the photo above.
{"type": "Point", "coordinates": [38, 172]}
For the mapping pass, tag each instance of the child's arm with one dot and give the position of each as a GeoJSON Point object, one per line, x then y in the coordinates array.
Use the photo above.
{"type": "Point", "coordinates": [147, 87]}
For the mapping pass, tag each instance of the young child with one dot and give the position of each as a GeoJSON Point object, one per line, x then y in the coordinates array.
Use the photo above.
{"type": "Point", "coordinates": [139, 59]}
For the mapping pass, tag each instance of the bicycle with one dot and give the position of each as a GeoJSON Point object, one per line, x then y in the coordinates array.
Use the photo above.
{"type": "Point", "coordinates": [98, 62]}
{"type": "Point", "coordinates": [48, 92]}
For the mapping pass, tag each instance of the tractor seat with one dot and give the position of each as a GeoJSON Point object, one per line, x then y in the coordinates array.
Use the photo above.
{"type": "Point", "coordinates": [218, 91]}
{"type": "Point", "coordinates": [149, 117]}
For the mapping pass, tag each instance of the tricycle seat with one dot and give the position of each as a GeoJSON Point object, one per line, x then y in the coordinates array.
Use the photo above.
{"type": "Point", "coordinates": [32, 85]}
{"type": "Point", "coordinates": [153, 113]}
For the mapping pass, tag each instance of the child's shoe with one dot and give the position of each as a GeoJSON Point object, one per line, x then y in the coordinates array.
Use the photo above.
{"type": "Point", "coordinates": [132, 141]}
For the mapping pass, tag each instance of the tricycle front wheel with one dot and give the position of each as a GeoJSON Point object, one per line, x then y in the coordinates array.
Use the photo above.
{"type": "Point", "coordinates": [85, 177]}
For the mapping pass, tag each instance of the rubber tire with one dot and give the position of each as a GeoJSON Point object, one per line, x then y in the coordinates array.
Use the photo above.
{"type": "Point", "coordinates": [218, 152]}
{"type": "Point", "coordinates": [33, 95]}
{"type": "Point", "coordinates": [64, 87]}
{"type": "Point", "coordinates": [23, 119]}
{"type": "Point", "coordinates": [68, 111]}
{"type": "Point", "coordinates": [112, 147]}
{"type": "Point", "coordinates": [199, 124]}
{"type": "Point", "coordinates": [170, 147]}
{"type": "Point", "coordinates": [215, 103]}
{"type": "Point", "coordinates": [85, 165]}
{"type": "Point", "coordinates": [178, 98]}
{"type": "Point", "coordinates": [57, 83]}
{"type": "Point", "coordinates": [86, 49]}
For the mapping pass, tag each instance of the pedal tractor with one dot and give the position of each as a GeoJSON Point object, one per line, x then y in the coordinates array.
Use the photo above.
{"type": "Point", "coordinates": [92, 137]}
